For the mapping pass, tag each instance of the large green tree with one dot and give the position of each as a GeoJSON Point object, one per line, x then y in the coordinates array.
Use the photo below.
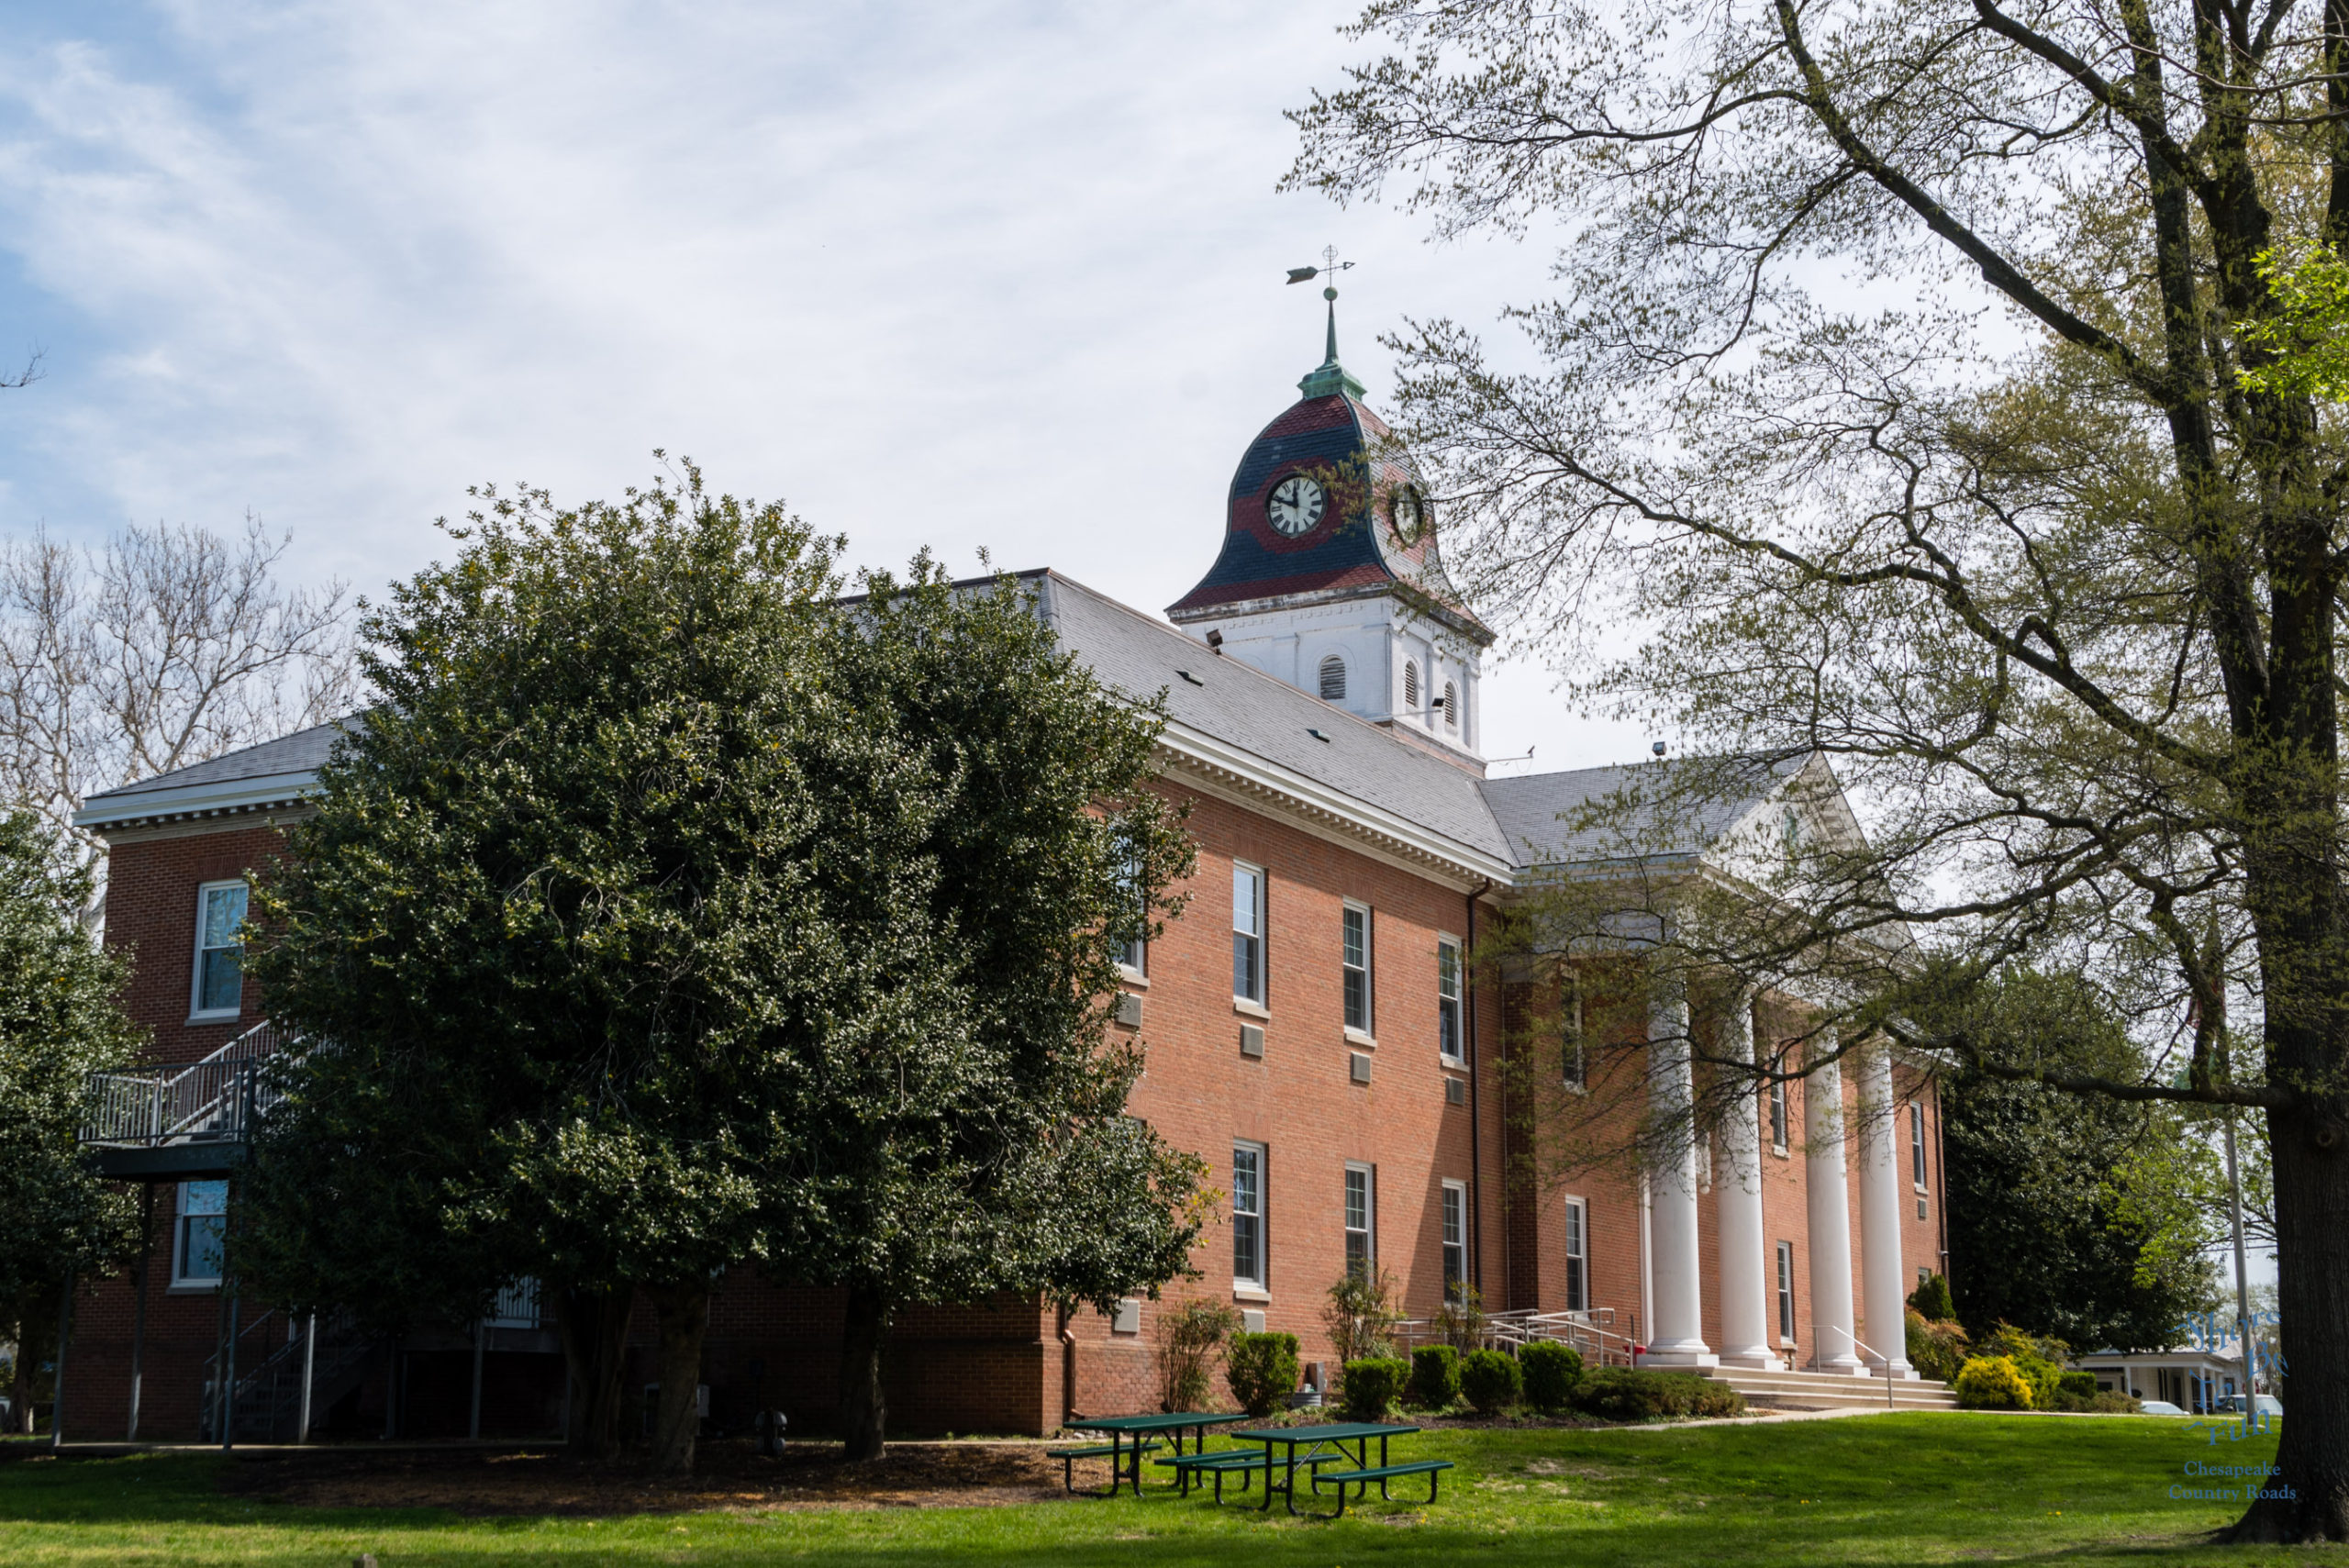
{"type": "Point", "coordinates": [1891, 407]}
{"type": "Point", "coordinates": [670, 915]}
{"type": "Point", "coordinates": [60, 1021]}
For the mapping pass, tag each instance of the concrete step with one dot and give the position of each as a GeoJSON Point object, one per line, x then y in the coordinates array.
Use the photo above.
{"type": "Point", "coordinates": [1830, 1391]}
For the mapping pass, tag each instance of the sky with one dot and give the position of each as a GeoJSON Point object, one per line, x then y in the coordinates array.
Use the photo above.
{"type": "Point", "coordinates": [972, 276]}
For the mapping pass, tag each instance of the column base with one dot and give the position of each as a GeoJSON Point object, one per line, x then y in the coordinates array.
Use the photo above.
{"type": "Point", "coordinates": [1901, 1371]}
{"type": "Point", "coordinates": [1680, 1353]}
{"type": "Point", "coordinates": [1757, 1359]}
{"type": "Point", "coordinates": [1841, 1367]}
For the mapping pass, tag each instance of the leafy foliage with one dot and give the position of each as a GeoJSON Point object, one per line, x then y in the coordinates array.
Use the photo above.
{"type": "Point", "coordinates": [1188, 1336]}
{"type": "Point", "coordinates": [1262, 1370]}
{"type": "Point", "coordinates": [1491, 1381]}
{"type": "Point", "coordinates": [1372, 1385]}
{"type": "Point", "coordinates": [1628, 1394]}
{"type": "Point", "coordinates": [1553, 1372]}
{"type": "Point", "coordinates": [1460, 1318]}
{"type": "Point", "coordinates": [1435, 1376]}
{"type": "Point", "coordinates": [1936, 1348]}
{"type": "Point", "coordinates": [1360, 1315]}
{"type": "Point", "coordinates": [1930, 1300]}
{"type": "Point", "coordinates": [60, 1020]}
{"type": "Point", "coordinates": [1992, 1382]}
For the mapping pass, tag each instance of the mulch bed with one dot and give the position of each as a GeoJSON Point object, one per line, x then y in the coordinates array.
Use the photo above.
{"type": "Point", "coordinates": [726, 1476]}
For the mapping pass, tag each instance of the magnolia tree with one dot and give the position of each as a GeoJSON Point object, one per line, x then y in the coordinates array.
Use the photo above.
{"type": "Point", "coordinates": [1904, 385]}
{"type": "Point", "coordinates": [671, 916]}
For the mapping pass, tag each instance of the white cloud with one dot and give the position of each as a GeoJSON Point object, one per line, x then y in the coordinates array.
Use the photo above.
{"type": "Point", "coordinates": [965, 276]}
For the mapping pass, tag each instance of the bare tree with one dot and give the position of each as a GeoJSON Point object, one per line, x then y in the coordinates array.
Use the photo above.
{"type": "Point", "coordinates": [1893, 380]}
{"type": "Point", "coordinates": [162, 648]}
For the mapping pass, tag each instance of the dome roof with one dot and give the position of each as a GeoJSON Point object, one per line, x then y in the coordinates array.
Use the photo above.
{"type": "Point", "coordinates": [1360, 548]}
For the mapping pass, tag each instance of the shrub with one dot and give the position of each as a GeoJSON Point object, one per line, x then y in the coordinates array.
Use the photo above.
{"type": "Point", "coordinates": [1930, 1300]}
{"type": "Point", "coordinates": [1372, 1385]}
{"type": "Point", "coordinates": [1935, 1350]}
{"type": "Point", "coordinates": [1490, 1379]}
{"type": "Point", "coordinates": [1622, 1394]}
{"type": "Point", "coordinates": [1187, 1337]}
{"type": "Point", "coordinates": [1460, 1319]}
{"type": "Point", "coordinates": [1992, 1382]}
{"type": "Point", "coordinates": [1261, 1369]}
{"type": "Point", "coordinates": [1435, 1376]}
{"type": "Point", "coordinates": [1360, 1316]}
{"type": "Point", "coordinates": [1551, 1370]}
{"type": "Point", "coordinates": [2082, 1384]}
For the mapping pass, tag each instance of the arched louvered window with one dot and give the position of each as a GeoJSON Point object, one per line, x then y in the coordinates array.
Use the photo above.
{"type": "Point", "coordinates": [1410, 682]}
{"type": "Point", "coordinates": [1334, 679]}
{"type": "Point", "coordinates": [1451, 706]}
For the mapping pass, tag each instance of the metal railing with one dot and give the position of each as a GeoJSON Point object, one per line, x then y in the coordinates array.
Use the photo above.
{"type": "Point", "coordinates": [1858, 1345]}
{"type": "Point", "coordinates": [214, 1100]}
{"type": "Point", "coordinates": [1591, 1334]}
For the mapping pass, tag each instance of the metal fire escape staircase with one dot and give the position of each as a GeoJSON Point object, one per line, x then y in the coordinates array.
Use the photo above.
{"type": "Point", "coordinates": [181, 1123]}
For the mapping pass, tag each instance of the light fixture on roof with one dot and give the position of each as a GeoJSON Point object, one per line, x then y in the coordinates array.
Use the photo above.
{"type": "Point", "coordinates": [1658, 748]}
{"type": "Point", "coordinates": [1215, 640]}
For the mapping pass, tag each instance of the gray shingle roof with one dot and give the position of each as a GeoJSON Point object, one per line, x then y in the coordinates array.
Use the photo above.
{"type": "Point", "coordinates": [299, 752]}
{"type": "Point", "coordinates": [1683, 806]}
{"type": "Point", "coordinates": [1244, 707]}
{"type": "Point", "coordinates": [1514, 820]}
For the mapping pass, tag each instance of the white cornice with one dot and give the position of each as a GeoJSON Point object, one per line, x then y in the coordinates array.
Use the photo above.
{"type": "Point", "coordinates": [1258, 781]}
{"type": "Point", "coordinates": [227, 797]}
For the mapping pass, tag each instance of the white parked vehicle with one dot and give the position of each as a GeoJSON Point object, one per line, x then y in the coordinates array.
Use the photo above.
{"type": "Point", "coordinates": [2158, 1408]}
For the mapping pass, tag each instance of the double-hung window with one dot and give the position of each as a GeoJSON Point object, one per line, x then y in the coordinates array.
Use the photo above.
{"type": "Point", "coordinates": [1355, 962]}
{"type": "Point", "coordinates": [1786, 1292]}
{"type": "Point", "coordinates": [197, 1232]}
{"type": "Point", "coordinates": [1778, 1115]}
{"type": "Point", "coordinates": [1248, 932]}
{"type": "Point", "coordinates": [1455, 1239]}
{"type": "Point", "coordinates": [219, 951]}
{"type": "Point", "coordinates": [1447, 1001]}
{"type": "Point", "coordinates": [1133, 953]}
{"type": "Point", "coordinates": [1362, 1233]}
{"type": "Point", "coordinates": [1577, 1256]}
{"type": "Point", "coordinates": [1574, 1062]}
{"type": "Point", "coordinates": [1248, 1216]}
{"type": "Point", "coordinates": [1917, 1145]}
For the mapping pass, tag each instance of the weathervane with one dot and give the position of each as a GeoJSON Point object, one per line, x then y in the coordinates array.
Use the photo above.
{"type": "Point", "coordinates": [1330, 266]}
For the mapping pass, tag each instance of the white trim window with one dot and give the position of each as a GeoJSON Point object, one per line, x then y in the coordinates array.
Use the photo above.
{"type": "Point", "coordinates": [1786, 1292]}
{"type": "Point", "coordinates": [1577, 1256]}
{"type": "Point", "coordinates": [1362, 1219]}
{"type": "Point", "coordinates": [1917, 1145]}
{"type": "Point", "coordinates": [198, 1231]}
{"type": "Point", "coordinates": [1778, 1120]}
{"type": "Point", "coordinates": [1448, 1034]}
{"type": "Point", "coordinates": [1354, 962]}
{"type": "Point", "coordinates": [1248, 932]}
{"type": "Point", "coordinates": [1455, 1239]}
{"type": "Point", "coordinates": [1248, 1249]}
{"type": "Point", "coordinates": [1573, 1061]}
{"type": "Point", "coordinates": [218, 983]}
{"type": "Point", "coordinates": [1134, 954]}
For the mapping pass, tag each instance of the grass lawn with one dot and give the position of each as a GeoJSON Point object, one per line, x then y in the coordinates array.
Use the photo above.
{"type": "Point", "coordinates": [1897, 1490]}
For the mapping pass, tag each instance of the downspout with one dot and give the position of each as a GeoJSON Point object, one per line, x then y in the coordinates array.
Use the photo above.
{"type": "Point", "coordinates": [1476, 1110]}
{"type": "Point", "coordinates": [1941, 1178]}
{"type": "Point", "coordinates": [1068, 1368]}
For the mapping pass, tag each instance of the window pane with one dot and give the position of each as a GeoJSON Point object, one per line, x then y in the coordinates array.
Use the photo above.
{"type": "Point", "coordinates": [1247, 1214]}
{"type": "Point", "coordinates": [1244, 901]}
{"type": "Point", "coordinates": [222, 988]}
{"type": "Point", "coordinates": [224, 911]}
{"type": "Point", "coordinates": [1357, 1200]}
{"type": "Point", "coordinates": [200, 1247]}
{"type": "Point", "coordinates": [204, 1197]}
{"type": "Point", "coordinates": [1357, 948]}
{"type": "Point", "coordinates": [1357, 1000]}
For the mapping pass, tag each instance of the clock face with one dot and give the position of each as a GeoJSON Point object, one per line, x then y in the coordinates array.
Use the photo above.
{"type": "Point", "coordinates": [1297, 504]}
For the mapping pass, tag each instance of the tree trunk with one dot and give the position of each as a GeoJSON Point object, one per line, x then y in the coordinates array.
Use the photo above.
{"type": "Point", "coordinates": [593, 1327]}
{"type": "Point", "coordinates": [864, 1410]}
{"type": "Point", "coordinates": [36, 1327]}
{"type": "Point", "coordinates": [683, 1314]}
{"type": "Point", "coordinates": [2307, 1499]}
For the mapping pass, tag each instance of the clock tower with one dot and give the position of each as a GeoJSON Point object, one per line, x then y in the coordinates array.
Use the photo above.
{"type": "Point", "coordinates": [1329, 577]}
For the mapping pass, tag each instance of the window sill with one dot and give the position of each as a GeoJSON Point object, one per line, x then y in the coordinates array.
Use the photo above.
{"type": "Point", "coordinates": [1571, 1088]}
{"type": "Point", "coordinates": [1355, 1037]}
{"type": "Point", "coordinates": [1778, 1153]}
{"type": "Point", "coordinates": [1133, 977]}
{"type": "Point", "coordinates": [194, 1287]}
{"type": "Point", "coordinates": [194, 1019]}
{"type": "Point", "coordinates": [1452, 1063]}
{"type": "Point", "coordinates": [1250, 1292]}
{"type": "Point", "coordinates": [1246, 1008]}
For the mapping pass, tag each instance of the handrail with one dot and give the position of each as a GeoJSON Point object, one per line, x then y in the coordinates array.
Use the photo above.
{"type": "Point", "coordinates": [211, 1100]}
{"type": "Point", "coordinates": [1859, 1344]}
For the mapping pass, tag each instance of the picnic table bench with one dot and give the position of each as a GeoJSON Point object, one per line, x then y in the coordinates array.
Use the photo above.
{"type": "Point", "coordinates": [1130, 1437]}
{"type": "Point", "coordinates": [1337, 1443]}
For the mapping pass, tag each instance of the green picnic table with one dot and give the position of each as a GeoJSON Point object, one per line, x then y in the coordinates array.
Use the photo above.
{"type": "Point", "coordinates": [1124, 1456]}
{"type": "Point", "coordinates": [1328, 1445]}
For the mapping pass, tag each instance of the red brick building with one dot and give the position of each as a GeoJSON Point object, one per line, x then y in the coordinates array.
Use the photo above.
{"type": "Point", "coordinates": [1311, 1027]}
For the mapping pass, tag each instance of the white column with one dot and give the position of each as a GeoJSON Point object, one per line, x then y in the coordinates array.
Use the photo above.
{"type": "Point", "coordinates": [1737, 1204]}
{"type": "Point", "coordinates": [1880, 1198]}
{"type": "Point", "coordinates": [1831, 1340]}
{"type": "Point", "coordinates": [1678, 1338]}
